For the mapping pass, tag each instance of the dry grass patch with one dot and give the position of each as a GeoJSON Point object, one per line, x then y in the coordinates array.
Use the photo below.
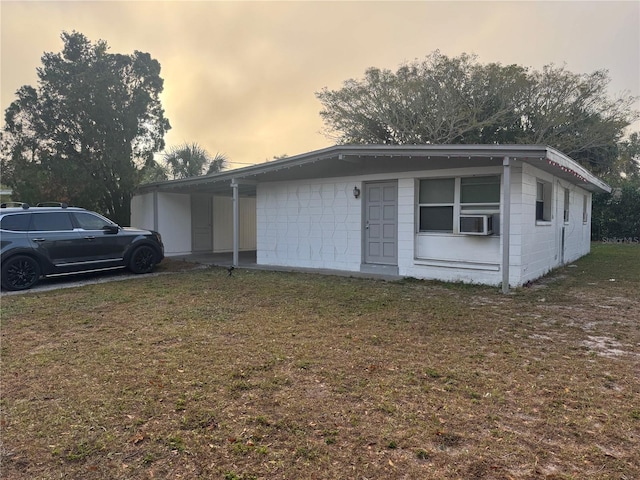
{"type": "Point", "coordinates": [267, 375]}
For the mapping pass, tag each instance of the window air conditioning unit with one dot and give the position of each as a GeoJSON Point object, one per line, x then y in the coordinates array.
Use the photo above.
{"type": "Point", "coordinates": [476, 224]}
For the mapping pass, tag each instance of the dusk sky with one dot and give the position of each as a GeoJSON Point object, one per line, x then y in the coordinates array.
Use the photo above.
{"type": "Point", "coordinates": [240, 77]}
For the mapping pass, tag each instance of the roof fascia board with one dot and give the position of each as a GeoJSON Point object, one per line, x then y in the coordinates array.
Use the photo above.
{"type": "Point", "coordinates": [563, 161]}
{"type": "Point", "coordinates": [468, 150]}
{"type": "Point", "coordinates": [528, 153]}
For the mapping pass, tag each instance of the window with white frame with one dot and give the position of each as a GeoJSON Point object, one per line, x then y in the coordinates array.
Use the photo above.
{"type": "Point", "coordinates": [441, 201]}
{"type": "Point", "coordinates": [436, 203]}
{"type": "Point", "coordinates": [585, 207]}
{"type": "Point", "coordinates": [567, 199]}
{"type": "Point", "coordinates": [543, 201]}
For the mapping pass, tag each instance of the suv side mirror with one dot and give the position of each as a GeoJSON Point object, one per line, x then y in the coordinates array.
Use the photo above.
{"type": "Point", "coordinates": [113, 229]}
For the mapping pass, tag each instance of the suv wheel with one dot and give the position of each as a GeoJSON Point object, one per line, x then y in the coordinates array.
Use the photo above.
{"type": "Point", "coordinates": [20, 273]}
{"type": "Point", "coordinates": [143, 260]}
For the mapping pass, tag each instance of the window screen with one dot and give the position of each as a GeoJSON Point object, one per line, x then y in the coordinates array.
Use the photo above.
{"type": "Point", "coordinates": [480, 190]}
{"type": "Point", "coordinates": [543, 201]}
{"type": "Point", "coordinates": [439, 190]}
{"type": "Point", "coordinates": [437, 197]}
{"type": "Point", "coordinates": [438, 219]}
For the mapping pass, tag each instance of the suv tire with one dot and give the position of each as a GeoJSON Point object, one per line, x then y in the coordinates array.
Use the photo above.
{"type": "Point", "coordinates": [143, 259]}
{"type": "Point", "coordinates": [20, 273]}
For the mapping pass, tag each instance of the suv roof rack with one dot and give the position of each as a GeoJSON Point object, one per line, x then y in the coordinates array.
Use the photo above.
{"type": "Point", "coordinates": [52, 204]}
{"type": "Point", "coordinates": [14, 204]}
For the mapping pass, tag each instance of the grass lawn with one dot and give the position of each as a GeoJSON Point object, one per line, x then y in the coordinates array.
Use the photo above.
{"type": "Point", "coordinates": [267, 375]}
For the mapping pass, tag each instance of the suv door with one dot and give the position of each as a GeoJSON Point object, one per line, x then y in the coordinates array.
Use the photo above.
{"type": "Point", "coordinates": [102, 240]}
{"type": "Point", "coordinates": [52, 236]}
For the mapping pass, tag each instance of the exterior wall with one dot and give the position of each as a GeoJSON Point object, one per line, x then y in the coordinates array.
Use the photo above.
{"type": "Point", "coordinates": [223, 223]}
{"type": "Point", "coordinates": [142, 211]}
{"type": "Point", "coordinates": [542, 241]}
{"type": "Point", "coordinates": [174, 222]}
{"type": "Point", "coordinates": [318, 224]}
{"type": "Point", "coordinates": [314, 224]}
{"type": "Point", "coordinates": [577, 232]}
{"type": "Point", "coordinates": [174, 219]}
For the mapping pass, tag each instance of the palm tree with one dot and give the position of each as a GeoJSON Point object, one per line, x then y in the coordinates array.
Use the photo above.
{"type": "Point", "coordinates": [191, 160]}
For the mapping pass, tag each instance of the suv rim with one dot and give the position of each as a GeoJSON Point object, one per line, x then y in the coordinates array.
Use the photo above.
{"type": "Point", "coordinates": [144, 259]}
{"type": "Point", "coordinates": [21, 273]}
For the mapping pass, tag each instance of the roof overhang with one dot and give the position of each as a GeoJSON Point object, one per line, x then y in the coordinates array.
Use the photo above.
{"type": "Point", "coordinates": [355, 160]}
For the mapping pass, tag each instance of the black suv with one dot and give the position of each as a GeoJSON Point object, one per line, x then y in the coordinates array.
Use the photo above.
{"type": "Point", "coordinates": [55, 240]}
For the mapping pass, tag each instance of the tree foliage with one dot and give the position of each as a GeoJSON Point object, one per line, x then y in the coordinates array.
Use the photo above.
{"type": "Point", "coordinates": [86, 132]}
{"type": "Point", "coordinates": [617, 215]}
{"type": "Point", "coordinates": [628, 161]}
{"type": "Point", "coordinates": [191, 160]}
{"type": "Point", "coordinates": [443, 100]}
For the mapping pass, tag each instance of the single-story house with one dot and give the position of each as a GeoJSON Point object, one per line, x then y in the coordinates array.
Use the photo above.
{"type": "Point", "coordinates": [488, 214]}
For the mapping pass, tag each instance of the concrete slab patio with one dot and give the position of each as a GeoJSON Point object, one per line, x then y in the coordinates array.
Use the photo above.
{"type": "Point", "coordinates": [247, 260]}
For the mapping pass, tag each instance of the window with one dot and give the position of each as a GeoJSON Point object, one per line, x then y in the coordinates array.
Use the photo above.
{"type": "Point", "coordinates": [479, 193]}
{"type": "Point", "coordinates": [51, 222]}
{"type": "Point", "coordinates": [441, 201]}
{"type": "Point", "coordinates": [543, 201]}
{"type": "Point", "coordinates": [16, 223]}
{"type": "Point", "coordinates": [88, 221]}
{"type": "Point", "coordinates": [436, 204]}
{"type": "Point", "coordinates": [567, 198]}
{"type": "Point", "coordinates": [585, 207]}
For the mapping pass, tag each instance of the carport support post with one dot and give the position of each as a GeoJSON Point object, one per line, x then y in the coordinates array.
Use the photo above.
{"type": "Point", "coordinates": [236, 222]}
{"type": "Point", "coordinates": [506, 222]}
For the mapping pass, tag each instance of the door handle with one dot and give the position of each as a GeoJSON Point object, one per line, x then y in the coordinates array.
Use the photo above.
{"type": "Point", "coordinates": [39, 240]}
{"type": "Point", "coordinates": [90, 237]}
{"type": "Point", "coordinates": [367, 225]}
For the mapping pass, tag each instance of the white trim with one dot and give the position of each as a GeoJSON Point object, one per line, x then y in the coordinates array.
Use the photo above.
{"type": "Point", "coordinates": [433, 262]}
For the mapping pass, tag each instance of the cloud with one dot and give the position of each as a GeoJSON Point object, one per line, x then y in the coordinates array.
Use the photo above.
{"type": "Point", "coordinates": [240, 77]}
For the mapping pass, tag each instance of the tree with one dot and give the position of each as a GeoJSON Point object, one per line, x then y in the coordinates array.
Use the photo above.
{"type": "Point", "coordinates": [617, 215]}
{"type": "Point", "coordinates": [628, 162]}
{"type": "Point", "coordinates": [86, 132]}
{"type": "Point", "coordinates": [191, 160]}
{"type": "Point", "coordinates": [445, 100]}
{"type": "Point", "coordinates": [153, 172]}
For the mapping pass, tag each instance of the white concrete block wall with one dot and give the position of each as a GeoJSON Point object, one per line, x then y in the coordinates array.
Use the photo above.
{"type": "Point", "coordinates": [516, 226]}
{"type": "Point", "coordinates": [577, 233]}
{"type": "Point", "coordinates": [174, 223]}
{"type": "Point", "coordinates": [174, 219]}
{"type": "Point", "coordinates": [142, 211]}
{"type": "Point", "coordinates": [407, 225]}
{"type": "Point", "coordinates": [314, 224]}
{"type": "Point", "coordinates": [542, 241]}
